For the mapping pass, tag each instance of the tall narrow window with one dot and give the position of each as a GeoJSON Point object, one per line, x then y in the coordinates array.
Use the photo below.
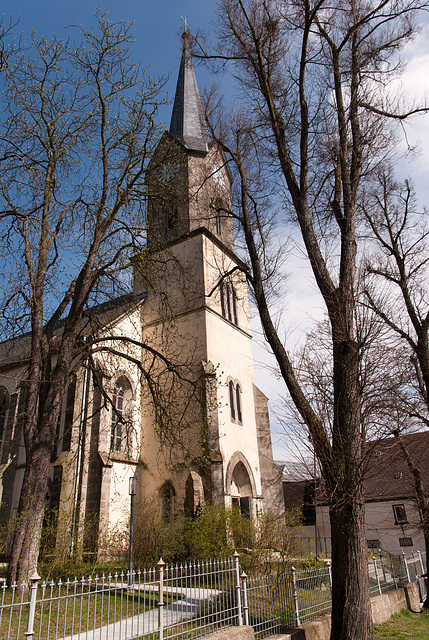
{"type": "Point", "coordinates": [235, 403]}
{"type": "Point", "coordinates": [218, 225]}
{"type": "Point", "coordinates": [234, 306]}
{"type": "Point", "coordinates": [228, 301]}
{"type": "Point", "coordinates": [68, 417]}
{"type": "Point", "coordinates": [238, 402]}
{"type": "Point", "coordinates": [3, 412]}
{"type": "Point", "coordinates": [167, 496]}
{"type": "Point", "coordinates": [222, 299]}
{"type": "Point", "coordinates": [116, 425]}
{"type": "Point", "coordinates": [172, 217]}
{"type": "Point", "coordinates": [232, 399]}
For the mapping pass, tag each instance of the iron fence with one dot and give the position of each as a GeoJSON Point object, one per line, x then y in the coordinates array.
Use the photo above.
{"type": "Point", "coordinates": [183, 601]}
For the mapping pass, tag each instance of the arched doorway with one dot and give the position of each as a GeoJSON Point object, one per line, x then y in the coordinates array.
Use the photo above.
{"type": "Point", "coordinates": [240, 484]}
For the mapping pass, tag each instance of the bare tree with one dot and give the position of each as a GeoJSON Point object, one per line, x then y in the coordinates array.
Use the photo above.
{"type": "Point", "coordinates": [8, 45]}
{"type": "Point", "coordinates": [77, 133]}
{"type": "Point", "coordinates": [396, 291]}
{"type": "Point", "coordinates": [313, 120]}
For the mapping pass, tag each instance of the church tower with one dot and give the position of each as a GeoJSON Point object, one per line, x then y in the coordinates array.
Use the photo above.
{"type": "Point", "coordinates": [200, 284]}
{"type": "Point", "coordinates": [189, 181]}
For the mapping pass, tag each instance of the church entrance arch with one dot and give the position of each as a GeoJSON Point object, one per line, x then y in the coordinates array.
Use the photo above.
{"type": "Point", "coordinates": [240, 484]}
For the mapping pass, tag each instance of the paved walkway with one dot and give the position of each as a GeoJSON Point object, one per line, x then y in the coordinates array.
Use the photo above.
{"type": "Point", "coordinates": [147, 622]}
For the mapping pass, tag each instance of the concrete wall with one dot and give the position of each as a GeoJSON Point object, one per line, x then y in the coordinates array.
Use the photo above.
{"type": "Point", "coordinates": [383, 607]}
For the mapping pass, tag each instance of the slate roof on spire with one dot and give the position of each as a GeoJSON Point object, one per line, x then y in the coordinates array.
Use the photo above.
{"type": "Point", "coordinates": [187, 120]}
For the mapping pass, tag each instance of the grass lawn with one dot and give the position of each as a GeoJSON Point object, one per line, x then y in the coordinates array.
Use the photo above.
{"type": "Point", "coordinates": [403, 626]}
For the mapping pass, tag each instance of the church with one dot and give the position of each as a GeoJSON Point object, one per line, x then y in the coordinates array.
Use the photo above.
{"type": "Point", "coordinates": [166, 401]}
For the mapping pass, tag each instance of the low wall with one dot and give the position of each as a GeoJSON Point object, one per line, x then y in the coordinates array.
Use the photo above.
{"type": "Point", "coordinates": [383, 607]}
{"type": "Point", "coordinates": [233, 633]}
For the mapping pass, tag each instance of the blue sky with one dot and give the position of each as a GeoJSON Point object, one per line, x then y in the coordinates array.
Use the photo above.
{"type": "Point", "coordinates": [157, 29]}
{"type": "Point", "coordinates": [157, 26]}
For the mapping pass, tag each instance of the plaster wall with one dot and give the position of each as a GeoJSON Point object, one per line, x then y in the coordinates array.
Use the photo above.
{"type": "Point", "coordinates": [379, 525]}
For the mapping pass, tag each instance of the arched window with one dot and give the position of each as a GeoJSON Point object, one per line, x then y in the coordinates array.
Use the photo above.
{"type": "Point", "coordinates": [172, 217]}
{"type": "Point", "coordinates": [228, 301]}
{"type": "Point", "coordinates": [232, 399]}
{"type": "Point", "coordinates": [238, 402]}
{"type": "Point", "coordinates": [235, 404]}
{"type": "Point", "coordinates": [218, 225]}
{"type": "Point", "coordinates": [122, 416]}
{"type": "Point", "coordinates": [116, 424]}
{"type": "Point", "coordinates": [167, 502]}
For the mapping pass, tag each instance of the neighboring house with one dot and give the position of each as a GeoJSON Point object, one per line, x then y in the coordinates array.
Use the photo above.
{"type": "Point", "coordinates": [392, 518]}
{"type": "Point", "coordinates": [194, 307]}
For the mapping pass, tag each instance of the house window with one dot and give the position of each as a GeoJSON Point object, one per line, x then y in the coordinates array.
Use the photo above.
{"type": "Point", "coordinates": [228, 300]}
{"type": "Point", "coordinates": [405, 542]}
{"type": "Point", "coordinates": [117, 425]}
{"type": "Point", "coordinates": [235, 404]}
{"type": "Point", "coordinates": [398, 475]}
{"type": "Point", "coordinates": [399, 513]}
{"type": "Point", "coordinates": [373, 544]}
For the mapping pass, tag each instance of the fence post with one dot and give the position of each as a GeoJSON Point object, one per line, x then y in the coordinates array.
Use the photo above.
{"type": "Point", "coordinates": [160, 565]}
{"type": "Point", "coordinates": [376, 573]}
{"type": "Point", "coordinates": [407, 572]}
{"type": "Point", "coordinates": [382, 566]}
{"type": "Point", "coordinates": [245, 606]}
{"type": "Point", "coordinates": [34, 580]}
{"type": "Point", "coordinates": [393, 572]}
{"type": "Point", "coordinates": [236, 557]}
{"type": "Point", "coordinates": [295, 597]}
{"type": "Point", "coordinates": [328, 564]}
{"type": "Point", "coordinates": [413, 555]}
{"type": "Point", "coordinates": [421, 562]}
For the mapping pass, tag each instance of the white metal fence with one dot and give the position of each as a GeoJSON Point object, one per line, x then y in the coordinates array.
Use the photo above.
{"type": "Point", "coordinates": [182, 601]}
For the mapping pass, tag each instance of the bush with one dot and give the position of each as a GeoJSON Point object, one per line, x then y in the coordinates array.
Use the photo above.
{"type": "Point", "coordinates": [154, 537]}
{"type": "Point", "coordinates": [217, 532]}
{"type": "Point", "coordinates": [276, 538]}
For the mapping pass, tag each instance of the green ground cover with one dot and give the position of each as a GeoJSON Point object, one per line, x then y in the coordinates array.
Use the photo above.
{"type": "Point", "coordinates": [403, 626]}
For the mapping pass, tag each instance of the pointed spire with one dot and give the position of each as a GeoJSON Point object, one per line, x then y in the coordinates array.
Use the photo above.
{"type": "Point", "coordinates": [187, 120]}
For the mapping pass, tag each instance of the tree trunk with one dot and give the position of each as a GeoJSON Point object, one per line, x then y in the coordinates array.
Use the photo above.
{"type": "Point", "coordinates": [28, 529]}
{"type": "Point", "coordinates": [351, 605]}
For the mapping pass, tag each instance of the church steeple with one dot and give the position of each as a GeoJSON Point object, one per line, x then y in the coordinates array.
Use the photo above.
{"type": "Point", "coordinates": [189, 183]}
{"type": "Point", "coordinates": [187, 120]}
